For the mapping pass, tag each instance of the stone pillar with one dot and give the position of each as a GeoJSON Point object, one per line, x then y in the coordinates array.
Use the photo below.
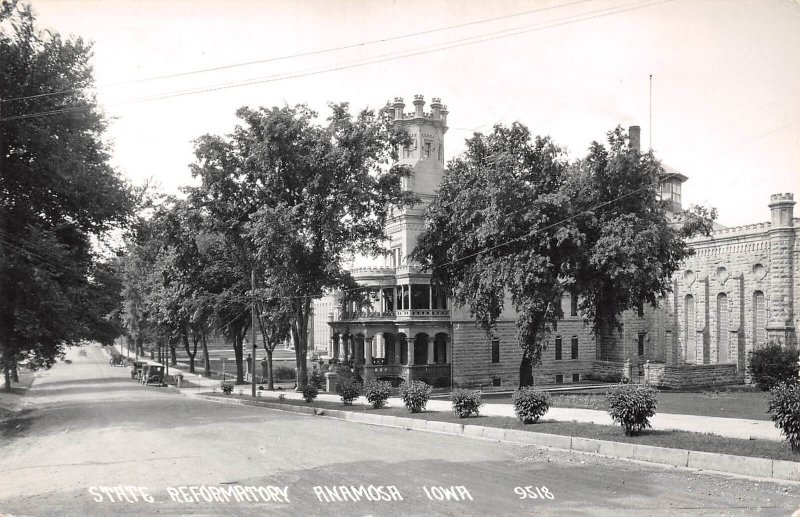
{"type": "Point", "coordinates": [431, 343]}
{"type": "Point", "coordinates": [334, 347]}
{"type": "Point", "coordinates": [780, 323]}
{"type": "Point", "coordinates": [397, 349]}
{"type": "Point", "coordinates": [345, 339]}
{"type": "Point", "coordinates": [410, 349]}
{"type": "Point", "coordinates": [368, 351]}
{"type": "Point", "coordinates": [430, 298]}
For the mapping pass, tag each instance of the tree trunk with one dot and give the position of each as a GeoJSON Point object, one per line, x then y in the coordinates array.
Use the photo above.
{"type": "Point", "coordinates": [7, 371]}
{"type": "Point", "coordinates": [173, 356]}
{"type": "Point", "coordinates": [238, 338]}
{"type": "Point", "coordinates": [526, 370]}
{"type": "Point", "coordinates": [300, 334]}
{"type": "Point", "coordinates": [206, 363]}
{"type": "Point", "coordinates": [185, 339]}
{"type": "Point", "coordinates": [270, 382]}
{"type": "Point", "coordinates": [14, 372]}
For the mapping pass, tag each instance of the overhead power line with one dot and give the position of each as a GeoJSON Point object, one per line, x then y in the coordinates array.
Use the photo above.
{"type": "Point", "coordinates": [472, 40]}
{"type": "Point", "coordinates": [306, 54]}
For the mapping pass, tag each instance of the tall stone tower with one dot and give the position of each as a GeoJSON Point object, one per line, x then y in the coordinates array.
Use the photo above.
{"type": "Point", "coordinates": [425, 156]}
{"type": "Point", "coordinates": [780, 326]}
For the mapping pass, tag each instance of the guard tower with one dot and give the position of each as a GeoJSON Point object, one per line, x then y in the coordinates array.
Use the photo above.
{"type": "Point", "coordinates": [425, 156]}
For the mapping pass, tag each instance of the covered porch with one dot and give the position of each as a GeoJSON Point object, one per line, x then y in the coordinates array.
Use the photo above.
{"type": "Point", "coordinates": [393, 357]}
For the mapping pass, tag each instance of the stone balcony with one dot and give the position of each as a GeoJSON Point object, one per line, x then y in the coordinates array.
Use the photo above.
{"type": "Point", "coordinates": [398, 315]}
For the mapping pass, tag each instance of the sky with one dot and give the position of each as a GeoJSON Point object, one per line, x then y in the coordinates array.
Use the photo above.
{"type": "Point", "coordinates": [724, 109]}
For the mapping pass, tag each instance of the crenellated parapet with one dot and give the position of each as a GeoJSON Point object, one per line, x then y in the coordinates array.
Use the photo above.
{"type": "Point", "coordinates": [437, 115]}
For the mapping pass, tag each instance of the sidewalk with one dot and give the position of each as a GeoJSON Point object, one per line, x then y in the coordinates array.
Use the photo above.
{"type": "Point", "coordinates": [728, 427]}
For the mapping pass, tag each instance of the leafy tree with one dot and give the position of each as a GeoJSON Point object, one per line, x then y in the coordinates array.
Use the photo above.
{"type": "Point", "coordinates": [513, 222]}
{"type": "Point", "coordinates": [293, 198]}
{"type": "Point", "coordinates": [274, 322]}
{"type": "Point", "coordinates": [494, 233]}
{"type": "Point", "coordinates": [57, 193]}
{"type": "Point", "coordinates": [631, 248]}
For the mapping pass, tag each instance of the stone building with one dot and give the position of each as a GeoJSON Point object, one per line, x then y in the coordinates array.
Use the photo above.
{"type": "Point", "coordinates": [735, 293]}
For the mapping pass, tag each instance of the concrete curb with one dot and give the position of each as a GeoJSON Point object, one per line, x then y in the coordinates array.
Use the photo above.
{"type": "Point", "coordinates": [723, 463]}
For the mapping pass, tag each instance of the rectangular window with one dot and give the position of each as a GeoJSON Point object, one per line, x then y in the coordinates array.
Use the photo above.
{"type": "Point", "coordinates": [559, 379]}
{"type": "Point", "coordinates": [576, 377]}
{"type": "Point", "coordinates": [573, 307]}
{"type": "Point", "coordinates": [640, 310]}
{"type": "Point", "coordinates": [558, 348]}
{"type": "Point", "coordinates": [495, 350]}
{"type": "Point", "coordinates": [427, 149]}
{"type": "Point", "coordinates": [574, 351]}
{"type": "Point", "coordinates": [641, 344]}
{"type": "Point", "coordinates": [495, 382]}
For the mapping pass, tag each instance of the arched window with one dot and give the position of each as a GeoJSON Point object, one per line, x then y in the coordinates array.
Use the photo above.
{"type": "Point", "coordinates": [759, 320]}
{"type": "Point", "coordinates": [689, 337]}
{"type": "Point", "coordinates": [723, 328]}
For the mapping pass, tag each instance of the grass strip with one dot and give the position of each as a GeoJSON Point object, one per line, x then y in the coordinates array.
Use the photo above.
{"type": "Point", "coordinates": [658, 438]}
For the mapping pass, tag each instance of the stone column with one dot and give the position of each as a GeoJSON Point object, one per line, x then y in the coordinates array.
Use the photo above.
{"type": "Point", "coordinates": [397, 349]}
{"type": "Point", "coordinates": [780, 323]}
{"type": "Point", "coordinates": [410, 349]}
{"type": "Point", "coordinates": [334, 351]}
{"type": "Point", "coordinates": [431, 342]}
{"type": "Point", "coordinates": [368, 351]}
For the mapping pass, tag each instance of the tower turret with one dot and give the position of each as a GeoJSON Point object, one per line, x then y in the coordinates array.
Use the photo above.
{"type": "Point", "coordinates": [419, 103]}
{"type": "Point", "coordinates": [398, 108]}
{"type": "Point", "coordinates": [780, 326]}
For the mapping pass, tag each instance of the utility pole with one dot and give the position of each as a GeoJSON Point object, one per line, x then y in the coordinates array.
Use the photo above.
{"type": "Point", "coordinates": [253, 328]}
{"type": "Point", "coordinates": [651, 112]}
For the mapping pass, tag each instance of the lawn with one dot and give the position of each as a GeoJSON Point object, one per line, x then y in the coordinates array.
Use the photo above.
{"type": "Point", "coordinates": [672, 439]}
{"type": "Point", "coordinates": [731, 403]}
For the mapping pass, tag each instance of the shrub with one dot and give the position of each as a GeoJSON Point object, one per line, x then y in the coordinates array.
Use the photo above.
{"type": "Point", "coordinates": [415, 395]}
{"type": "Point", "coordinates": [530, 404]}
{"type": "Point", "coordinates": [465, 402]}
{"type": "Point", "coordinates": [772, 365]}
{"type": "Point", "coordinates": [316, 378]}
{"type": "Point", "coordinates": [377, 393]}
{"type": "Point", "coordinates": [283, 373]}
{"type": "Point", "coordinates": [784, 408]}
{"type": "Point", "coordinates": [226, 387]}
{"type": "Point", "coordinates": [348, 390]}
{"type": "Point", "coordinates": [632, 405]}
{"type": "Point", "coordinates": [310, 392]}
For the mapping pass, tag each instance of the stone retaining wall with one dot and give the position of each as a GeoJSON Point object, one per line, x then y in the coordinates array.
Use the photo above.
{"type": "Point", "coordinates": [691, 375]}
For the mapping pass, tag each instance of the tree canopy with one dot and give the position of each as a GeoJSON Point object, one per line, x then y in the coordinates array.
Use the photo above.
{"type": "Point", "coordinates": [515, 222]}
{"type": "Point", "coordinates": [293, 199]}
{"type": "Point", "coordinates": [57, 193]}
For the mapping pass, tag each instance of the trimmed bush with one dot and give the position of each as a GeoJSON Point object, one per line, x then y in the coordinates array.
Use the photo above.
{"type": "Point", "coordinates": [784, 408]}
{"type": "Point", "coordinates": [465, 402]}
{"type": "Point", "coordinates": [530, 404]}
{"type": "Point", "coordinates": [310, 392]}
{"type": "Point", "coordinates": [316, 378]}
{"type": "Point", "coordinates": [377, 393]}
{"type": "Point", "coordinates": [348, 390]}
{"type": "Point", "coordinates": [415, 395]}
{"type": "Point", "coordinates": [632, 405]}
{"type": "Point", "coordinates": [772, 365]}
{"type": "Point", "coordinates": [226, 387]}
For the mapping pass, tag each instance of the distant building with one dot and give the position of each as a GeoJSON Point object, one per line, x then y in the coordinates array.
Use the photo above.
{"type": "Point", "coordinates": [737, 292]}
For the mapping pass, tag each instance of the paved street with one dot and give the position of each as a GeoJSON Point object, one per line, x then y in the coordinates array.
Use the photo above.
{"type": "Point", "coordinates": [90, 441]}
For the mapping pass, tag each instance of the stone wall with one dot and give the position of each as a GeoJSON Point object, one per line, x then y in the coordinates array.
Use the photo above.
{"type": "Point", "coordinates": [690, 376]}
{"type": "Point", "coordinates": [472, 355]}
